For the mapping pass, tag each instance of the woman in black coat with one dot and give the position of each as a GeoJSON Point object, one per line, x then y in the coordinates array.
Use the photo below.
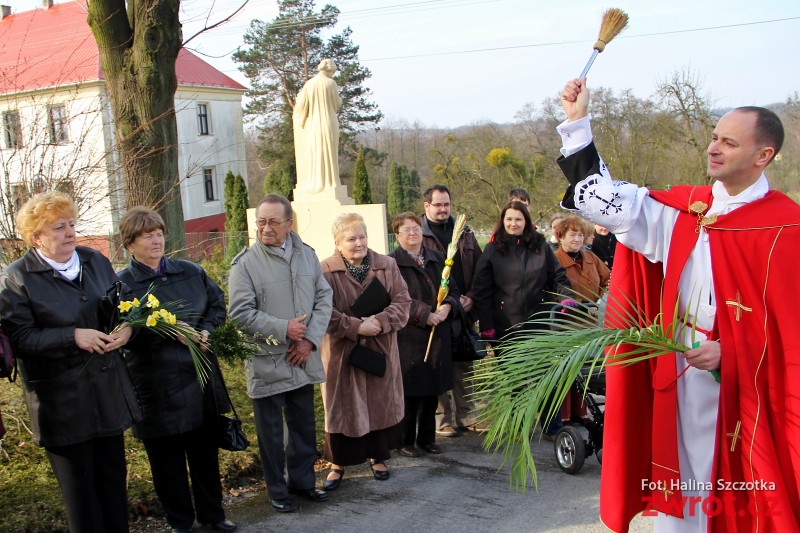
{"type": "Point", "coordinates": [517, 274]}
{"type": "Point", "coordinates": [55, 308]}
{"type": "Point", "coordinates": [177, 428]}
{"type": "Point", "coordinates": [421, 269]}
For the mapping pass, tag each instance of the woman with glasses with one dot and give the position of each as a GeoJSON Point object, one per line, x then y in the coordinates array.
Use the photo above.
{"type": "Point", "coordinates": [423, 381]}
{"type": "Point", "coordinates": [56, 310]}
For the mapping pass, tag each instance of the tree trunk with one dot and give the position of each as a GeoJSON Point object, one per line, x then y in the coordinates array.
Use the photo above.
{"type": "Point", "coordinates": [138, 48]}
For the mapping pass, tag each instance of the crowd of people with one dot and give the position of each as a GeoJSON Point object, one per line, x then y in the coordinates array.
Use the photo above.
{"type": "Point", "coordinates": [359, 322]}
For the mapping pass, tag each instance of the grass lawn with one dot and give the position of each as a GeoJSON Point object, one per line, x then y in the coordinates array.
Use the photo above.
{"type": "Point", "coordinates": [30, 496]}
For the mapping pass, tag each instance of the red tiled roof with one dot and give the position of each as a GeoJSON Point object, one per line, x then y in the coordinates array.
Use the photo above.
{"type": "Point", "coordinates": [51, 47]}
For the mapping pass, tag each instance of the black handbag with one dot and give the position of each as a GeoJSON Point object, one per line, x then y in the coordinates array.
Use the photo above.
{"type": "Point", "coordinates": [467, 344]}
{"type": "Point", "coordinates": [8, 365]}
{"type": "Point", "coordinates": [229, 433]}
{"type": "Point", "coordinates": [369, 361]}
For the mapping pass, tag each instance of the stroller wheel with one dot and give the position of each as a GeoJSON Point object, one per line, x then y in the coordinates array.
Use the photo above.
{"type": "Point", "coordinates": [600, 456]}
{"type": "Point", "coordinates": [570, 450]}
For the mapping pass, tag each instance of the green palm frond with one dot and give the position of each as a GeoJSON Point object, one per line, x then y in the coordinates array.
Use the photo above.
{"type": "Point", "coordinates": [535, 367]}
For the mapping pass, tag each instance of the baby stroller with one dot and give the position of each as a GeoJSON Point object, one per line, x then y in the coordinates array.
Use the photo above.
{"type": "Point", "coordinates": [570, 445]}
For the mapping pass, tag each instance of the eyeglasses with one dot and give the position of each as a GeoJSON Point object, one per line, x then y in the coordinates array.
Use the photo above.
{"type": "Point", "coordinates": [415, 229]}
{"type": "Point", "coordinates": [437, 206]}
{"type": "Point", "coordinates": [272, 223]}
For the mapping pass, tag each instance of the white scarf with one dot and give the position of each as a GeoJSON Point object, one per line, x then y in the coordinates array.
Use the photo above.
{"type": "Point", "coordinates": [70, 270]}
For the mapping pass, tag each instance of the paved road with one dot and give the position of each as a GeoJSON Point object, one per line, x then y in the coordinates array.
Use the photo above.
{"type": "Point", "coordinates": [458, 491]}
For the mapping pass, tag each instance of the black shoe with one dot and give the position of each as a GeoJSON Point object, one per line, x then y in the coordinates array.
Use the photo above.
{"type": "Point", "coordinates": [409, 451]}
{"type": "Point", "coordinates": [380, 475]}
{"type": "Point", "coordinates": [222, 525]}
{"type": "Point", "coordinates": [333, 484]}
{"type": "Point", "coordinates": [312, 494]}
{"type": "Point", "coordinates": [432, 448]}
{"type": "Point", "coordinates": [282, 506]}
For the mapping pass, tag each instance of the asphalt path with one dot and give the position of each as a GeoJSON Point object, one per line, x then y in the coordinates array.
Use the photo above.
{"type": "Point", "coordinates": [461, 490]}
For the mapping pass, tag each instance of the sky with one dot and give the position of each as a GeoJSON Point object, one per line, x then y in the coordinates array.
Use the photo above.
{"type": "Point", "coordinates": [449, 63]}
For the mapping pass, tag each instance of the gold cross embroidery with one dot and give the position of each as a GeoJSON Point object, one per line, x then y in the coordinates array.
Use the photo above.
{"type": "Point", "coordinates": [666, 492]}
{"type": "Point", "coordinates": [738, 306]}
{"type": "Point", "coordinates": [735, 435]}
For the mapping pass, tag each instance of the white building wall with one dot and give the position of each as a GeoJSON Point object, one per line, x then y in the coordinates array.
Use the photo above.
{"type": "Point", "coordinates": [221, 150]}
{"type": "Point", "coordinates": [79, 162]}
{"type": "Point", "coordinates": [89, 162]}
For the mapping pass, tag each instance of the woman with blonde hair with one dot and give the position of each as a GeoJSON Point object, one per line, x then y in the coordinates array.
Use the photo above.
{"type": "Point", "coordinates": [55, 304]}
{"type": "Point", "coordinates": [363, 410]}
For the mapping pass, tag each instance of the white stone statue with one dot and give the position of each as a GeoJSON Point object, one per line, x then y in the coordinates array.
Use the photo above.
{"type": "Point", "coordinates": [316, 130]}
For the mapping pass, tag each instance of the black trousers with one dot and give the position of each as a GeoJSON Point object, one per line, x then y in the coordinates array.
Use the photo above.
{"type": "Point", "coordinates": [420, 420]}
{"type": "Point", "coordinates": [169, 457]}
{"type": "Point", "coordinates": [91, 476]}
{"type": "Point", "coordinates": [297, 406]}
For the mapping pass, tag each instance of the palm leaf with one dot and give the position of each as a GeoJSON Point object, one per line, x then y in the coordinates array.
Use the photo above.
{"type": "Point", "coordinates": [537, 364]}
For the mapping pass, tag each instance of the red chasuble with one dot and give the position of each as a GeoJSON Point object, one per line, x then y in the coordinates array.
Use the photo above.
{"type": "Point", "coordinates": [756, 475]}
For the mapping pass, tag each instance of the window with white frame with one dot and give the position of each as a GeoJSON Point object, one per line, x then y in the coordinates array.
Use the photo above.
{"type": "Point", "coordinates": [58, 124]}
{"type": "Point", "coordinates": [12, 129]}
{"type": "Point", "coordinates": [208, 184]}
{"type": "Point", "coordinates": [203, 127]}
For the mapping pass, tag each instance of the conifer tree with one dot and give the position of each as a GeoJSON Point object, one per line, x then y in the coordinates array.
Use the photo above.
{"type": "Point", "coordinates": [398, 183]}
{"type": "Point", "coordinates": [362, 193]}
{"type": "Point", "coordinates": [412, 194]}
{"type": "Point", "coordinates": [236, 223]}
{"type": "Point", "coordinates": [230, 180]}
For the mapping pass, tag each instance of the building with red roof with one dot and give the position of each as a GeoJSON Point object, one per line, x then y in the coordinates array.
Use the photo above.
{"type": "Point", "coordinates": [57, 127]}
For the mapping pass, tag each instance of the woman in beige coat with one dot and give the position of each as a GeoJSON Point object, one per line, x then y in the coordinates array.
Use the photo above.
{"type": "Point", "coordinates": [363, 412]}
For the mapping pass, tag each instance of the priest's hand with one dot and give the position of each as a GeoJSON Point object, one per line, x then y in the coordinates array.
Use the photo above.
{"type": "Point", "coordinates": [575, 99]}
{"type": "Point", "coordinates": [705, 357]}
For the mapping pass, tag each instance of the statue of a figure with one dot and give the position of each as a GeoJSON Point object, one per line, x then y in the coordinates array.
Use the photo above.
{"type": "Point", "coordinates": [316, 130]}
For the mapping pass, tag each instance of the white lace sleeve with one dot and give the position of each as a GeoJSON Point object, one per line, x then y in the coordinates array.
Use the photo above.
{"type": "Point", "coordinates": [638, 221]}
{"type": "Point", "coordinates": [613, 204]}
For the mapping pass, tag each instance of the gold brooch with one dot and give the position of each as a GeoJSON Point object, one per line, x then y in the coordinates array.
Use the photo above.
{"type": "Point", "coordinates": [699, 208]}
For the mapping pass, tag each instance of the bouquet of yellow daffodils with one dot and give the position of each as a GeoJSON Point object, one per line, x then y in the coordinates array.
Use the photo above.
{"type": "Point", "coordinates": [150, 313]}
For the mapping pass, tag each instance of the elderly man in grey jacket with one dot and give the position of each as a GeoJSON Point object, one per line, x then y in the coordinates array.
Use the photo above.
{"type": "Point", "coordinates": [277, 289]}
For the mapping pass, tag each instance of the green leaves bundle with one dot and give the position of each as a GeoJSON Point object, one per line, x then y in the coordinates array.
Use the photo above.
{"type": "Point", "coordinates": [230, 344]}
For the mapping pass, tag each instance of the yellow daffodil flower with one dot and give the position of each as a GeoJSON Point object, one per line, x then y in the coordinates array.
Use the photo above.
{"type": "Point", "coordinates": [152, 301]}
{"type": "Point", "coordinates": [136, 302]}
{"type": "Point", "coordinates": [152, 320]}
{"type": "Point", "coordinates": [125, 306]}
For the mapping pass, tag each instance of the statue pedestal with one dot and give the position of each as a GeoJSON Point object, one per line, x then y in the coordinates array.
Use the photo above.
{"type": "Point", "coordinates": [314, 215]}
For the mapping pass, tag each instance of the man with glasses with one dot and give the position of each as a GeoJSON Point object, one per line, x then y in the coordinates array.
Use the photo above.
{"type": "Point", "coordinates": [277, 290]}
{"type": "Point", "coordinates": [437, 231]}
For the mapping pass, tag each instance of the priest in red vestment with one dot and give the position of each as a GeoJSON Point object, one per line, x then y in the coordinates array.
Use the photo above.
{"type": "Point", "coordinates": [702, 456]}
